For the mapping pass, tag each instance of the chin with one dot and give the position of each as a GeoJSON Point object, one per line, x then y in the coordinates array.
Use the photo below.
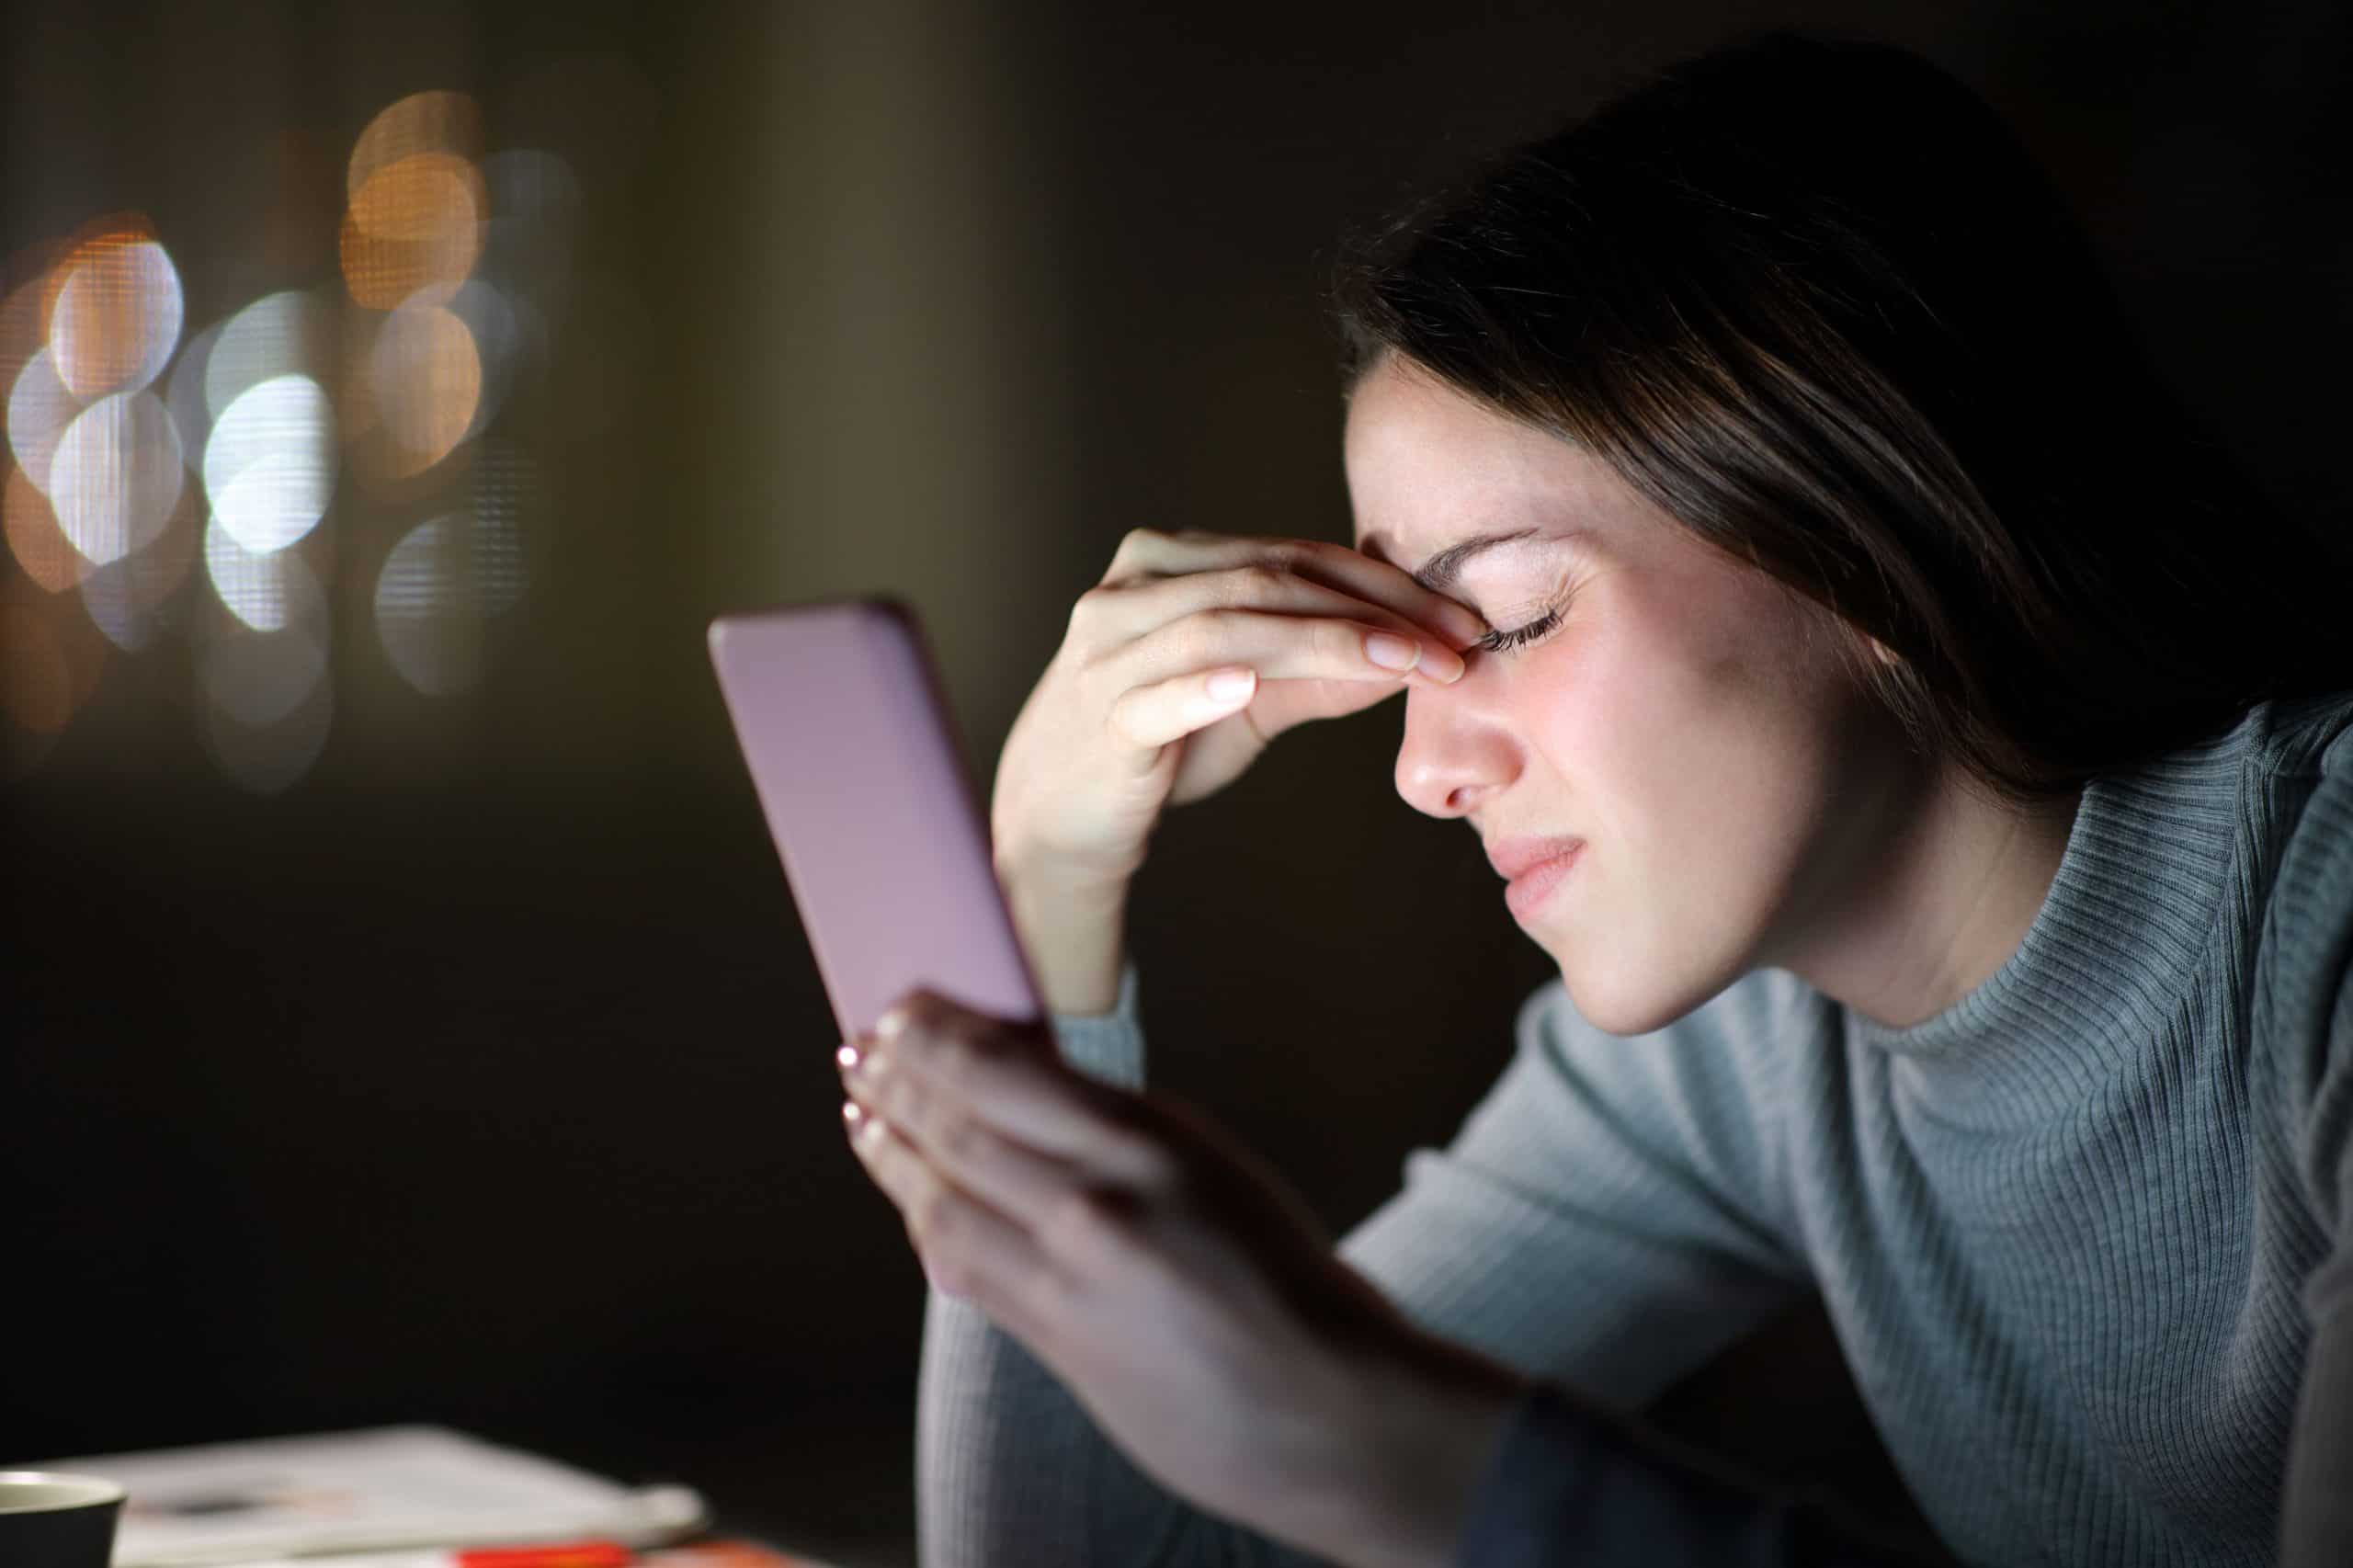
{"type": "Point", "coordinates": [1621, 995]}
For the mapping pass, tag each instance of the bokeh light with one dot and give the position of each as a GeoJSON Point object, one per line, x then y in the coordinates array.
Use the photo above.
{"type": "Point", "coordinates": [270, 465]}
{"type": "Point", "coordinates": [184, 392]}
{"type": "Point", "coordinates": [266, 698]}
{"type": "Point", "coordinates": [260, 677]}
{"type": "Point", "coordinates": [414, 225]}
{"type": "Point", "coordinates": [505, 497]}
{"type": "Point", "coordinates": [429, 603]}
{"type": "Point", "coordinates": [115, 476]}
{"type": "Point", "coordinates": [527, 246]}
{"type": "Point", "coordinates": [39, 408]}
{"type": "Point", "coordinates": [286, 334]}
{"type": "Point", "coordinates": [51, 660]}
{"type": "Point", "coordinates": [24, 315]}
{"type": "Point", "coordinates": [36, 682]}
{"type": "Point", "coordinates": [498, 333]}
{"type": "Point", "coordinates": [425, 377]}
{"type": "Point", "coordinates": [46, 555]}
{"type": "Point", "coordinates": [265, 590]}
{"type": "Point", "coordinates": [117, 315]}
{"type": "Point", "coordinates": [128, 601]}
{"type": "Point", "coordinates": [443, 122]}
{"type": "Point", "coordinates": [138, 446]}
{"type": "Point", "coordinates": [268, 759]}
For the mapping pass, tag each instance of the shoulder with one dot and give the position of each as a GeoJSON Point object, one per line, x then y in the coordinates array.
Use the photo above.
{"type": "Point", "coordinates": [2302, 794]}
{"type": "Point", "coordinates": [2300, 799]}
{"type": "Point", "coordinates": [2306, 737]}
{"type": "Point", "coordinates": [1706, 1091]}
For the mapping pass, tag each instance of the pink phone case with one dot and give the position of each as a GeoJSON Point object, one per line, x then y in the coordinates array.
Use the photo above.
{"type": "Point", "coordinates": [841, 716]}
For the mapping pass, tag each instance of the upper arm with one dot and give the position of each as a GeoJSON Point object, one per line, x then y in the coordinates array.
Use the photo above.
{"type": "Point", "coordinates": [2316, 1512]}
{"type": "Point", "coordinates": [2311, 992]}
{"type": "Point", "coordinates": [1609, 1215]}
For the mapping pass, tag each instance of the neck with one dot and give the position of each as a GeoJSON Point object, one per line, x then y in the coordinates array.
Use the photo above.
{"type": "Point", "coordinates": [1940, 907]}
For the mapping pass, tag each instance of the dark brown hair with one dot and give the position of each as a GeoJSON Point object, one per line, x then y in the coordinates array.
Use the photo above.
{"type": "Point", "coordinates": [1815, 302]}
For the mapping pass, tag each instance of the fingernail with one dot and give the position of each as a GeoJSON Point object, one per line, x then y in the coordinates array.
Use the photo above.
{"type": "Point", "coordinates": [850, 1113]}
{"type": "Point", "coordinates": [893, 1024]}
{"type": "Point", "coordinates": [847, 1058]}
{"type": "Point", "coordinates": [1390, 653]}
{"type": "Point", "coordinates": [1467, 626]}
{"type": "Point", "coordinates": [1442, 664]}
{"type": "Point", "coordinates": [1231, 686]}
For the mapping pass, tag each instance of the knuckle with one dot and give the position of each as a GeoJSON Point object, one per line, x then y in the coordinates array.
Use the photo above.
{"type": "Point", "coordinates": [1289, 554]}
{"type": "Point", "coordinates": [1203, 632]}
{"type": "Point", "coordinates": [958, 1063]}
{"type": "Point", "coordinates": [1089, 1225]}
{"type": "Point", "coordinates": [1126, 713]}
{"type": "Point", "coordinates": [1257, 582]}
{"type": "Point", "coordinates": [1153, 1167]}
{"type": "Point", "coordinates": [914, 1007]}
{"type": "Point", "coordinates": [1138, 541]}
{"type": "Point", "coordinates": [961, 1141]}
{"type": "Point", "coordinates": [1134, 1141]}
{"type": "Point", "coordinates": [1342, 644]}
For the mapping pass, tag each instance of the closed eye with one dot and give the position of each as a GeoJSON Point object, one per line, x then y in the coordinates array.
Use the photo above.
{"type": "Point", "coordinates": [1519, 636]}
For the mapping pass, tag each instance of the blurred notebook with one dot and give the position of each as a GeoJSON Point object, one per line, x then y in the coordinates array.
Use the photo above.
{"type": "Point", "coordinates": [391, 1486]}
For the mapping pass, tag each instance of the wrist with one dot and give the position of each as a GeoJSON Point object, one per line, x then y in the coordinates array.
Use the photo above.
{"type": "Point", "coordinates": [1417, 1435]}
{"type": "Point", "coordinates": [1071, 923]}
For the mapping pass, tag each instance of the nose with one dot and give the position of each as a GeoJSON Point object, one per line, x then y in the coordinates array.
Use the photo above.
{"type": "Point", "coordinates": [1456, 755]}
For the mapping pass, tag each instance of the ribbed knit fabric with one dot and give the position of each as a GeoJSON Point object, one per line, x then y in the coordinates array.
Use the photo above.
{"type": "Point", "coordinates": [2075, 1232]}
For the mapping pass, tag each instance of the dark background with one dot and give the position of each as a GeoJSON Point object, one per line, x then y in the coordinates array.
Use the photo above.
{"type": "Point", "coordinates": [482, 1076]}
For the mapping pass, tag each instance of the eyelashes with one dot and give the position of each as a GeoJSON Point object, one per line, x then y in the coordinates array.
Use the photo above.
{"type": "Point", "coordinates": [1519, 636]}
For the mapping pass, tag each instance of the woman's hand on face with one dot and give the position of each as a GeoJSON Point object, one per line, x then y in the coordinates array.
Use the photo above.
{"type": "Point", "coordinates": [1182, 1293]}
{"type": "Point", "coordinates": [1125, 721]}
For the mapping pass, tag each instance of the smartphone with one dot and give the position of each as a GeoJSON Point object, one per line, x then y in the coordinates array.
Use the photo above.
{"type": "Point", "coordinates": [839, 710]}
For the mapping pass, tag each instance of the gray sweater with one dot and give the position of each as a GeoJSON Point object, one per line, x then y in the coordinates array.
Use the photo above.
{"type": "Point", "coordinates": [2079, 1235]}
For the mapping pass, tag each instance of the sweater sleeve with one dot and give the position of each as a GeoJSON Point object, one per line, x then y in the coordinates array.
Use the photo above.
{"type": "Point", "coordinates": [1608, 1216]}
{"type": "Point", "coordinates": [1009, 1467]}
{"type": "Point", "coordinates": [1568, 1483]}
{"type": "Point", "coordinates": [1614, 1212]}
{"type": "Point", "coordinates": [2312, 993]}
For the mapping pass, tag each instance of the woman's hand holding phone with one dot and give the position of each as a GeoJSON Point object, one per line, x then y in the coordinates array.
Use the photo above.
{"type": "Point", "coordinates": [1183, 1293]}
{"type": "Point", "coordinates": [1128, 720]}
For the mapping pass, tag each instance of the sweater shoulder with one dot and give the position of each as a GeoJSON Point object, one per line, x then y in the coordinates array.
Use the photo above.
{"type": "Point", "coordinates": [2304, 1012]}
{"type": "Point", "coordinates": [1707, 1092]}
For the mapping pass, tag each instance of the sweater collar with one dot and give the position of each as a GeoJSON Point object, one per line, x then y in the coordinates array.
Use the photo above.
{"type": "Point", "coordinates": [2107, 962]}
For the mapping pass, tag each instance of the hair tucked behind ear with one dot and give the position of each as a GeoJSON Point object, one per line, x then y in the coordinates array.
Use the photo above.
{"type": "Point", "coordinates": [1813, 300]}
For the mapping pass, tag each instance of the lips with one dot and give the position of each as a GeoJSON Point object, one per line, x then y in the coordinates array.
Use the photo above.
{"type": "Point", "coordinates": [1511, 856]}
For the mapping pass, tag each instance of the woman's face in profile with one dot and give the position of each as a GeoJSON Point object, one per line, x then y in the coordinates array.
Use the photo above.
{"type": "Point", "coordinates": [1678, 710]}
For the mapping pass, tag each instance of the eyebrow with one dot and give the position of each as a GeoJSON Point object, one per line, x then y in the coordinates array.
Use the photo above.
{"type": "Point", "coordinates": [1440, 572]}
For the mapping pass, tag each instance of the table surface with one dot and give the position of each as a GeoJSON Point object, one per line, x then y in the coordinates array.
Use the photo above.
{"type": "Point", "coordinates": [831, 1479]}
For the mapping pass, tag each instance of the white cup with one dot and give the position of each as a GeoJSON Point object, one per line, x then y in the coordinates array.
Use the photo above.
{"type": "Point", "coordinates": [49, 1520]}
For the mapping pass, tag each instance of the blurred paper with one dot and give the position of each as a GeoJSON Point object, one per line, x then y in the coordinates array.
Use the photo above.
{"type": "Point", "coordinates": [391, 1486]}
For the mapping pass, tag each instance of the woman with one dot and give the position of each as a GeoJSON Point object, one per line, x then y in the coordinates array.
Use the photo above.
{"type": "Point", "coordinates": [1927, 765]}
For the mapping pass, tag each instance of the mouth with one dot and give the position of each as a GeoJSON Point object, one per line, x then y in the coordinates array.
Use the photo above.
{"type": "Point", "coordinates": [1539, 880]}
{"type": "Point", "coordinates": [1511, 856]}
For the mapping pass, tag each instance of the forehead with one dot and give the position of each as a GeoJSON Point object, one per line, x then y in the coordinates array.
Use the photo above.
{"type": "Point", "coordinates": [1428, 465]}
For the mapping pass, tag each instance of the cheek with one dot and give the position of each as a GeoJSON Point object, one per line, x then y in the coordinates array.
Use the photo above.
{"type": "Point", "coordinates": [1689, 728]}
{"type": "Point", "coordinates": [1663, 703]}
